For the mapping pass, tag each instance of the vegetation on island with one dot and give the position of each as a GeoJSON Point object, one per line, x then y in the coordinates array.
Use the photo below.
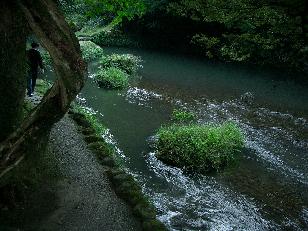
{"type": "Point", "coordinates": [126, 62]}
{"type": "Point", "coordinates": [197, 147]}
{"type": "Point", "coordinates": [111, 78]}
{"type": "Point", "coordinates": [200, 148]}
{"type": "Point", "coordinates": [181, 116]}
{"type": "Point", "coordinates": [90, 51]}
{"type": "Point", "coordinates": [116, 70]}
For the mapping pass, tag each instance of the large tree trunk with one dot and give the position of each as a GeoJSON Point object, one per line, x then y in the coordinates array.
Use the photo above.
{"type": "Point", "coordinates": [12, 66]}
{"type": "Point", "coordinates": [48, 24]}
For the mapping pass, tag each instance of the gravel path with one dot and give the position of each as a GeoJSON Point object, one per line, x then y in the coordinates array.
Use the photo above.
{"type": "Point", "coordinates": [74, 192]}
{"type": "Point", "coordinates": [84, 199]}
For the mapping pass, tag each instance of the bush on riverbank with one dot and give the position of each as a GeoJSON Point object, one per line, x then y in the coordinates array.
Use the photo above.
{"type": "Point", "coordinates": [112, 78]}
{"type": "Point", "coordinates": [202, 148]}
{"type": "Point", "coordinates": [126, 62]}
{"type": "Point", "coordinates": [47, 61]}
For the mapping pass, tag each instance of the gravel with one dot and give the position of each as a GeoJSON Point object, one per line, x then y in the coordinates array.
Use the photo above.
{"type": "Point", "coordinates": [84, 197]}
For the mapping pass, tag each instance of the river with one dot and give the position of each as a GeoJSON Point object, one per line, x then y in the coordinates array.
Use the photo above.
{"type": "Point", "coordinates": [267, 190]}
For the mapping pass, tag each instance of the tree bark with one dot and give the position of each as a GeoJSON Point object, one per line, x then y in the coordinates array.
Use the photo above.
{"type": "Point", "coordinates": [13, 32]}
{"type": "Point", "coordinates": [49, 25]}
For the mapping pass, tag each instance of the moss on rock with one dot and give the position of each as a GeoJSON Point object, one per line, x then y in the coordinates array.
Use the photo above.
{"type": "Point", "coordinates": [87, 131]}
{"type": "Point", "coordinates": [92, 138]}
{"type": "Point", "coordinates": [123, 183]}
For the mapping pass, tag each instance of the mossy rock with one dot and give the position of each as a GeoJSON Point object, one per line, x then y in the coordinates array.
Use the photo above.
{"type": "Point", "coordinates": [115, 171]}
{"type": "Point", "coordinates": [101, 149]}
{"type": "Point", "coordinates": [118, 179]}
{"type": "Point", "coordinates": [93, 139]}
{"type": "Point", "coordinates": [153, 224]}
{"type": "Point", "coordinates": [108, 161]}
{"type": "Point", "coordinates": [124, 184]}
{"type": "Point", "coordinates": [130, 191]}
{"type": "Point", "coordinates": [125, 188]}
{"type": "Point", "coordinates": [88, 131]}
{"type": "Point", "coordinates": [81, 120]}
{"type": "Point", "coordinates": [145, 211]}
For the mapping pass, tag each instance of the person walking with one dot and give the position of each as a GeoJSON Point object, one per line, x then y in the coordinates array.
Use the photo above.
{"type": "Point", "coordinates": [34, 61]}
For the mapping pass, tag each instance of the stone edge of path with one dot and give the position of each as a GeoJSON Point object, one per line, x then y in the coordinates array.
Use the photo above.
{"type": "Point", "coordinates": [124, 185]}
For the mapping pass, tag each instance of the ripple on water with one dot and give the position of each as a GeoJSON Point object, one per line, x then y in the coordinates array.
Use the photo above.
{"type": "Point", "coordinates": [200, 204]}
{"type": "Point", "coordinates": [277, 142]}
{"type": "Point", "coordinates": [141, 97]}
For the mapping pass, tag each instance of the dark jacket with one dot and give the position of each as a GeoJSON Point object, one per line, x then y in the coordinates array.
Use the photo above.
{"type": "Point", "coordinates": [34, 59]}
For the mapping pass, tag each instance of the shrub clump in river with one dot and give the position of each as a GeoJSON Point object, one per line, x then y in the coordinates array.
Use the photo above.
{"type": "Point", "coordinates": [126, 62]}
{"type": "Point", "coordinates": [90, 51]}
{"type": "Point", "coordinates": [112, 78]}
{"type": "Point", "coordinates": [180, 116]}
{"type": "Point", "coordinates": [202, 148]}
{"type": "Point", "coordinates": [115, 70]}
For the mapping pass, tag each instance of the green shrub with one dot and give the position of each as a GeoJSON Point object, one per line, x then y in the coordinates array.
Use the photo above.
{"type": "Point", "coordinates": [112, 78]}
{"type": "Point", "coordinates": [199, 147]}
{"type": "Point", "coordinates": [42, 86]}
{"type": "Point", "coordinates": [90, 51]}
{"type": "Point", "coordinates": [180, 116]}
{"type": "Point", "coordinates": [47, 61]}
{"type": "Point", "coordinates": [126, 62]}
{"type": "Point", "coordinates": [81, 113]}
{"type": "Point", "coordinates": [114, 38]}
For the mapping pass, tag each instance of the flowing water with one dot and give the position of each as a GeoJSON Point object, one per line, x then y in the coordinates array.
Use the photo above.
{"type": "Point", "coordinates": [267, 190]}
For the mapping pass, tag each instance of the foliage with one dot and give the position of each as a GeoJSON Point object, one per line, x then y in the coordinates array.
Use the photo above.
{"type": "Point", "coordinates": [42, 86]}
{"type": "Point", "coordinates": [126, 62]}
{"type": "Point", "coordinates": [90, 117]}
{"type": "Point", "coordinates": [47, 61]}
{"type": "Point", "coordinates": [112, 78]}
{"type": "Point", "coordinates": [90, 51]}
{"type": "Point", "coordinates": [262, 32]}
{"type": "Point", "coordinates": [257, 31]}
{"type": "Point", "coordinates": [199, 147]}
{"type": "Point", "coordinates": [181, 116]}
{"type": "Point", "coordinates": [114, 38]}
{"type": "Point", "coordinates": [116, 9]}
{"type": "Point", "coordinates": [79, 11]}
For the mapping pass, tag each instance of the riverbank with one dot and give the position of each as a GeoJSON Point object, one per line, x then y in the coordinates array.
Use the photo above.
{"type": "Point", "coordinates": [72, 189]}
{"type": "Point", "coordinates": [80, 199]}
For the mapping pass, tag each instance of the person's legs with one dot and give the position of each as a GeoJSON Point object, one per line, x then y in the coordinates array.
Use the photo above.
{"type": "Point", "coordinates": [29, 83]}
{"type": "Point", "coordinates": [34, 77]}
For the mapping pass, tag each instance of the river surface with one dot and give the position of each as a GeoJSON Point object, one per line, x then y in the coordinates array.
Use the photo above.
{"type": "Point", "coordinates": [267, 190]}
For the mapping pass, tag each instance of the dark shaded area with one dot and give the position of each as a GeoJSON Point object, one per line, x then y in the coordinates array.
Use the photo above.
{"type": "Point", "coordinates": [250, 35]}
{"type": "Point", "coordinates": [12, 65]}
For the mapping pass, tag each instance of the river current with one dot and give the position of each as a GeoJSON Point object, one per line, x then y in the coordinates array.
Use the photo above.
{"type": "Point", "coordinates": [267, 190]}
